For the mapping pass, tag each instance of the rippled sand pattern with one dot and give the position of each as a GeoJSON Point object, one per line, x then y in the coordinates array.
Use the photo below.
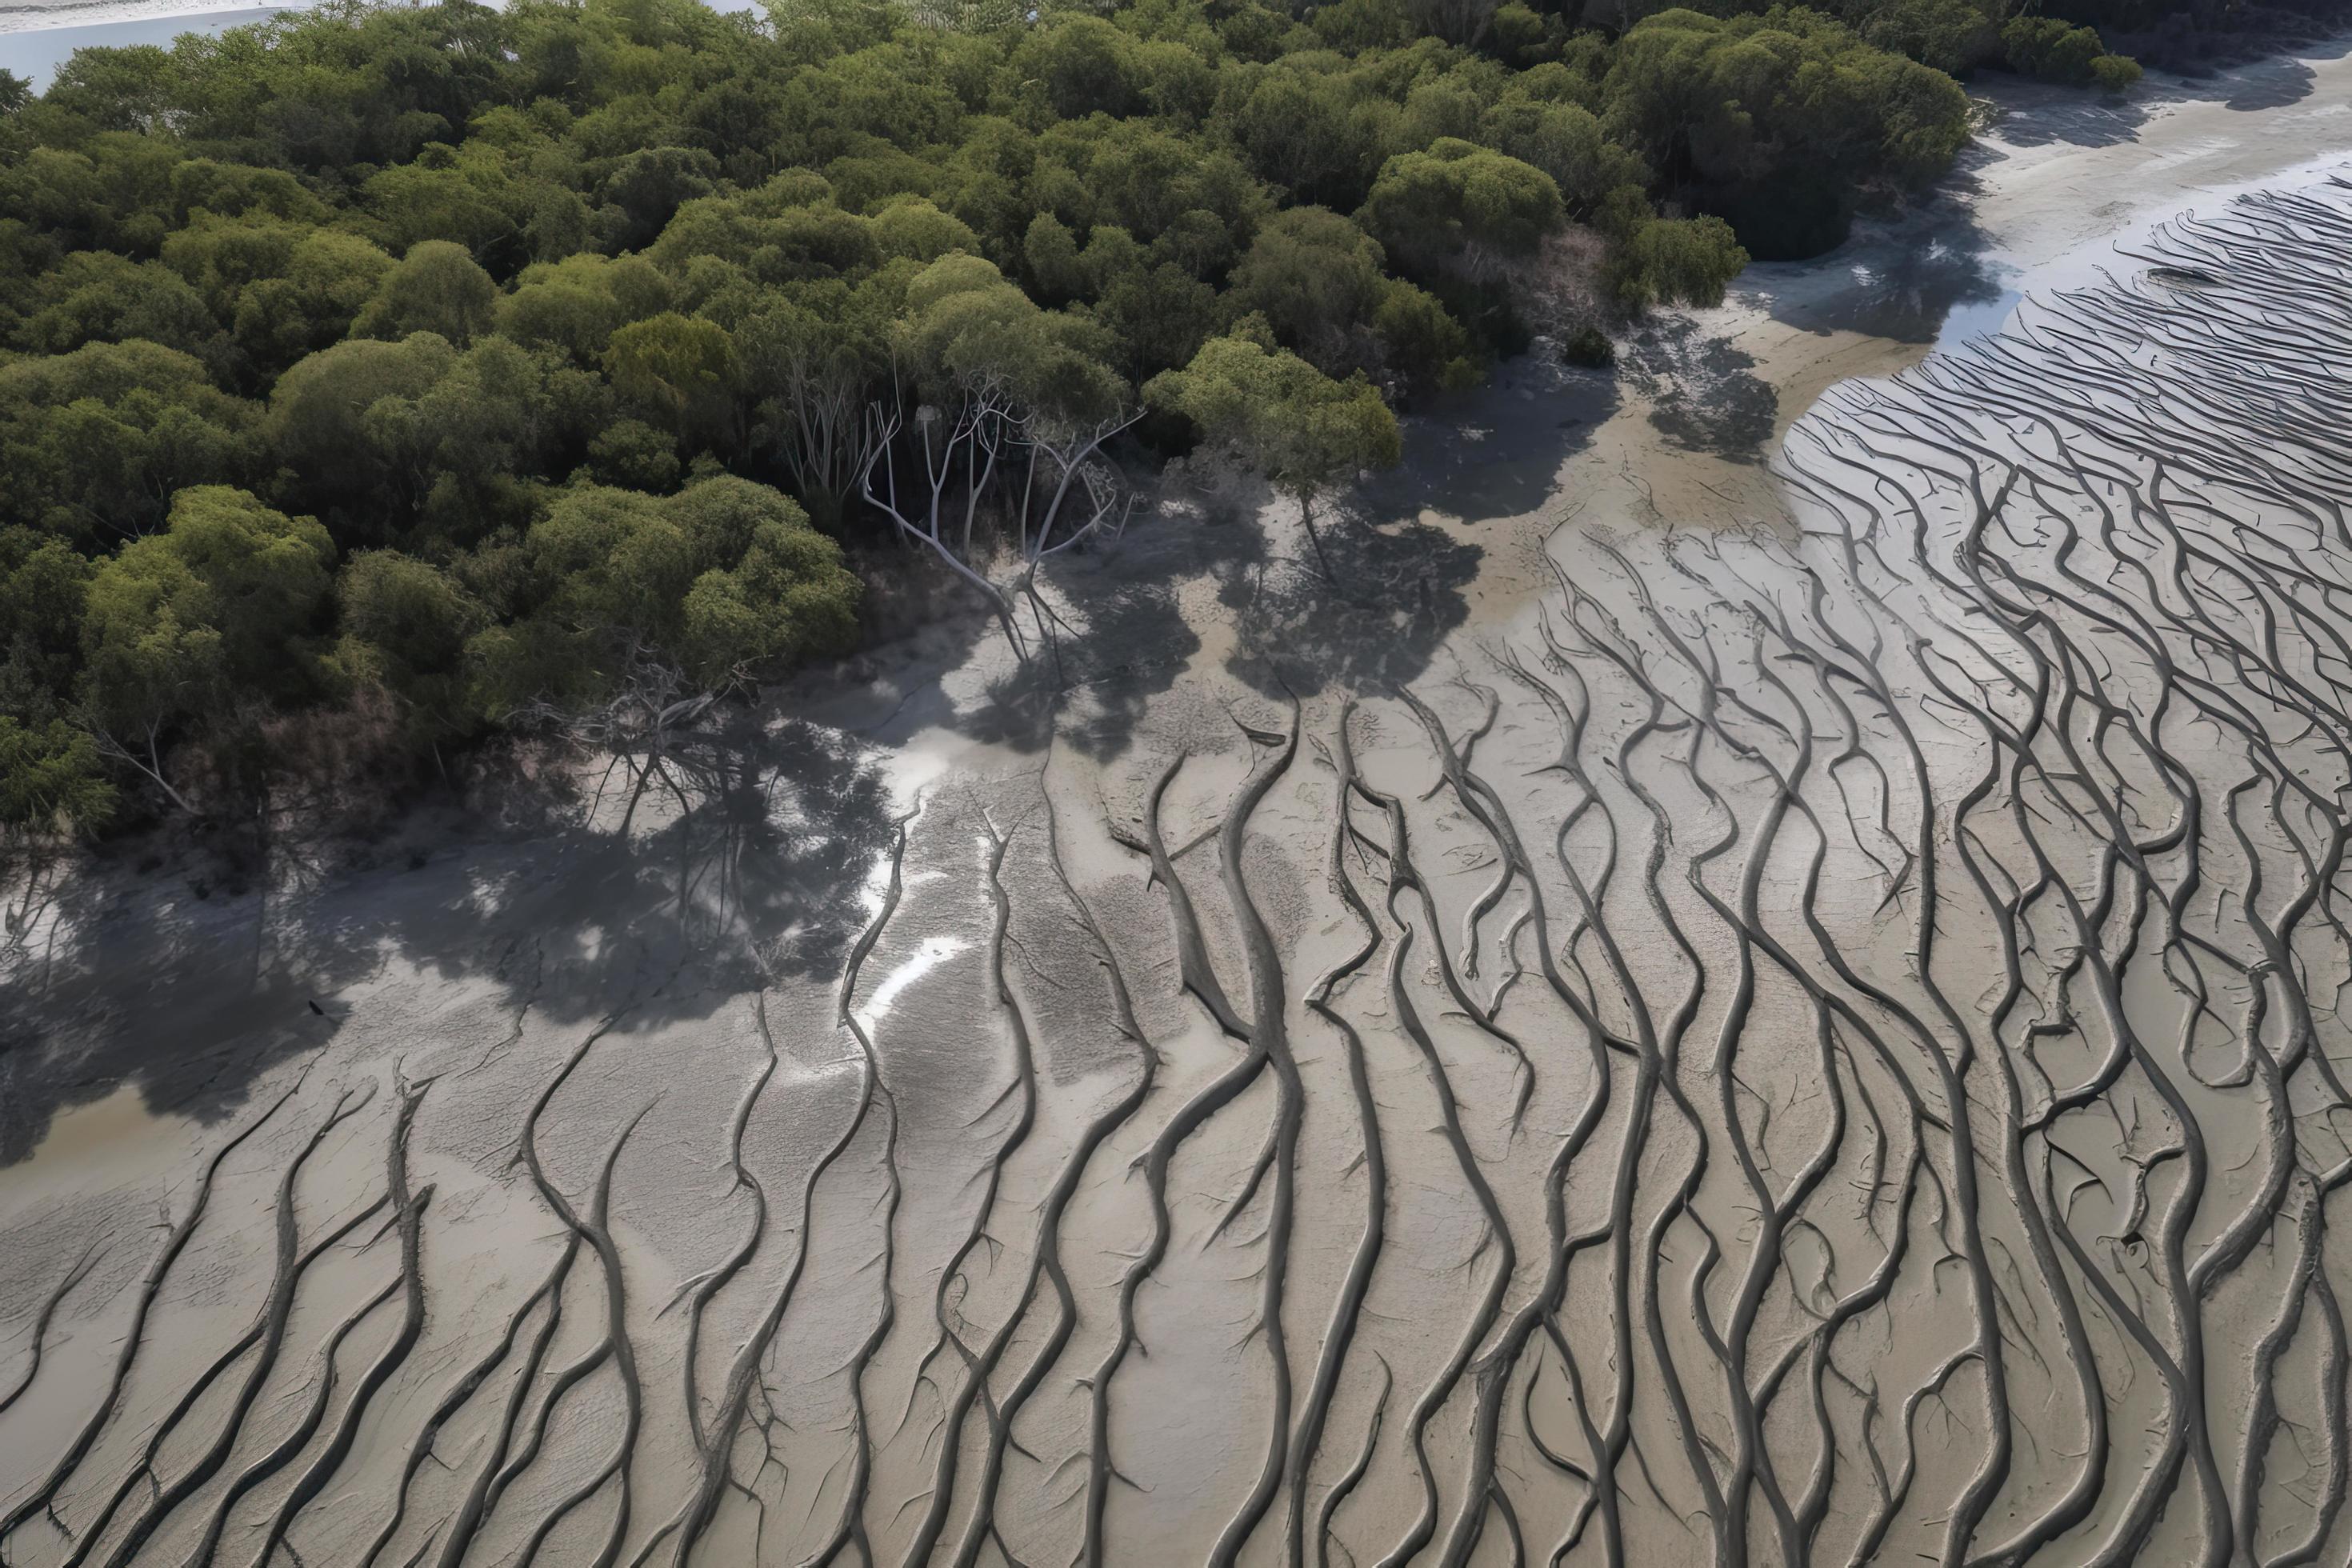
{"type": "Point", "coordinates": [1814, 1043]}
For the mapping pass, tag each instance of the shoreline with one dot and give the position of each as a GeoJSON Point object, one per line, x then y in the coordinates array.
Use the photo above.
{"type": "Point", "coordinates": [78, 14]}
{"type": "Point", "coordinates": [2039, 200]}
{"type": "Point", "coordinates": [115, 13]}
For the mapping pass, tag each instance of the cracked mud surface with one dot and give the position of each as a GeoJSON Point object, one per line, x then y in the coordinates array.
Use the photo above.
{"type": "Point", "coordinates": [1809, 1040]}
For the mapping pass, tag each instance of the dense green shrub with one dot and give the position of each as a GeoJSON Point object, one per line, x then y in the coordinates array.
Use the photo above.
{"type": "Point", "coordinates": [1952, 35]}
{"type": "Point", "coordinates": [358, 358]}
{"type": "Point", "coordinates": [2116, 73]}
{"type": "Point", "coordinates": [2049, 48]}
{"type": "Point", "coordinates": [1779, 121]}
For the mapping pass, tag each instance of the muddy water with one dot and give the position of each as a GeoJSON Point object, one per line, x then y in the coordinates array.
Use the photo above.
{"type": "Point", "coordinates": [1753, 977]}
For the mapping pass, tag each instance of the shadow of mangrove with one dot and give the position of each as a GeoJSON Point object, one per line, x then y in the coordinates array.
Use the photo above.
{"type": "Point", "coordinates": [1900, 277]}
{"type": "Point", "coordinates": [190, 993]}
{"type": "Point", "coordinates": [1702, 389]}
{"type": "Point", "coordinates": [1365, 604]}
{"type": "Point", "coordinates": [1392, 593]}
{"type": "Point", "coordinates": [2040, 114]}
{"type": "Point", "coordinates": [2274, 85]}
{"type": "Point", "coordinates": [1389, 586]}
{"type": "Point", "coordinates": [1494, 451]}
{"type": "Point", "coordinates": [191, 998]}
{"type": "Point", "coordinates": [2263, 77]}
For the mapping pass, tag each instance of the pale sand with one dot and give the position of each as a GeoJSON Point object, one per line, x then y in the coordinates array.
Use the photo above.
{"type": "Point", "coordinates": [94, 13]}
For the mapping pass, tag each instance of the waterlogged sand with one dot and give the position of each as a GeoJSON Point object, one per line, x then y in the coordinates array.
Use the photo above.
{"type": "Point", "coordinates": [20, 18]}
{"type": "Point", "coordinates": [2054, 183]}
{"type": "Point", "coordinates": [1753, 978]}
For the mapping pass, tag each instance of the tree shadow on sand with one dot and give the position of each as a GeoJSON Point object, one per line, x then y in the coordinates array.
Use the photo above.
{"type": "Point", "coordinates": [1900, 277]}
{"type": "Point", "coordinates": [1393, 593]}
{"type": "Point", "coordinates": [1369, 613]}
{"type": "Point", "coordinates": [191, 998]}
{"type": "Point", "coordinates": [2274, 85]}
{"type": "Point", "coordinates": [1496, 451]}
{"type": "Point", "coordinates": [754, 870]}
{"type": "Point", "coordinates": [1367, 604]}
{"type": "Point", "coordinates": [1703, 391]}
{"type": "Point", "coordinates": [2037, 114]}
{"type": "Point", "coordinates": [1110, 637]}
{"type": "Point", "coordinates": [2040, 114]}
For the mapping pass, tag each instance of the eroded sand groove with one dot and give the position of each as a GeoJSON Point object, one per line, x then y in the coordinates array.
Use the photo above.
{"type": "Point", "coordinates": [1817, 1043]}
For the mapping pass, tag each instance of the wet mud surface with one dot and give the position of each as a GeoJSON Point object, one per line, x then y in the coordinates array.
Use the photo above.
{"type": "Point", "coordinates": [1583, 1037]}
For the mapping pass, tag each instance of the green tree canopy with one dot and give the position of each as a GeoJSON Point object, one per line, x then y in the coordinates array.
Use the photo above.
{"type": "Point", "coordinates": [43, 581]}
{"type": "Point", "coordinates": [95, 442]}
{"type": "Point", "coordinates": [282, 290]}
{"type": "Point", "coordinates": [385, 437]}
{"type": "Point", "coordinates": [1463, 206]}
{"type": "Point", "coordinates": [677, 370]}
{"type": "Point", "coordinates": [643, 601]}
{"type": "Point", "coordinates": [1779, 120]}
{"type": "Point", "coordinates": [437, 288]}
{"type": "Point", "coordinates": [967, 327]}
{"type": "Point", "coordinates": [180, 624]}
{"type": "Point", "coordinates": [405, 623]}
{"type": "Point", "coordinates": [1677, 261]}
{"type": "Point", "coordinates": [1287, 420]}
{"type": "Point", "coordinates": [1566, 141]}
{"type": "Point", "coordinates": [52, 779]}
{"type": "Point", "coordinates": [99, 297]}
{"type": "Point", "coordinates": [1315, 276]}
{"type": "Point", "coordinates": [465, 284]}
{"type": "Point", "coordinates": [577, 303]}
{"type": "Point", "coordinates": [1950, 36]}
